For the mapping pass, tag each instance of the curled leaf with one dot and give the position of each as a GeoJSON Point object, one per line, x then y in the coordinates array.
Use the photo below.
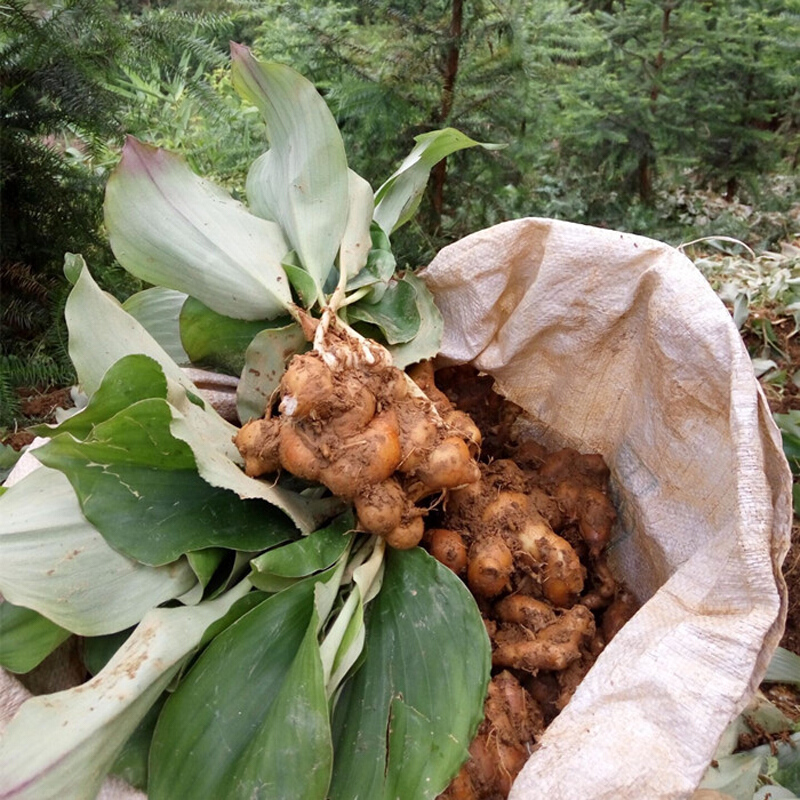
{"type": "Point", "coordinates": [398, 198]}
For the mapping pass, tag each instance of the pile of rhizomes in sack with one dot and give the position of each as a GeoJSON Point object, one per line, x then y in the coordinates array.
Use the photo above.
{"type": "Point", "coordinates": [526, 529]}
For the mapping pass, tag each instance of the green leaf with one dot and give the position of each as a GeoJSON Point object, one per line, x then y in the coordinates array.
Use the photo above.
{"type": "Point", "coordinates": [395, 314]}
{"type": "Point", "coordinates": [158, 310]}
{"type": "Point", "coordinates": [302, 283]}
{"type": "Point", "coordinates": [356, 240]}
{"type": "Point", "coordinates": [265, 362]}
{"type": "Point", "coordinates": [377, 273]}
{"type": "Point", "coordinates": [170, 227]}
{"type": "Point", "coordinates": [784, 667]}
{"type": "Point", "coordinates": [88, 726]}
{"type": "Point", "coordinates": [8, 458]}
{"type": "Point", "coordinates": [129, 380]}
{"type": "Point", "coordinates": [250, 720]}
{"type": "Point", "coordinates": [101, 332]}
{"type": "Point", "coordinates": [397, 200]}
{"type": "Point", "coordinates": [216, 340]}
{"type": "Point", "coordinates": [26, 637]}
{"type": "Point", "coordinates": [403, 722]}
{"type": "Point", "coordinates": [380, 266]}
{"type": "Point", "coordinates": [428, 340]}
{"type": "Point", "coordinates": [73, 264]}
{"type": "Point", "coordinates": [205, 563]}
{"type": "Point", "coordinates": [313, 553]}
{"type": "Point", "coordinates": [54, 561]}
{"type": "Point", "coordinates": [302, 183]}
{"type": "Point", "coordinates": [140, 487]}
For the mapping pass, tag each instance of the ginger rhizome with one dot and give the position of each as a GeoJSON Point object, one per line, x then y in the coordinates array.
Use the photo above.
{"type": "Point", "coordinates": [369, 434]}
{"type": "Point", "coordinates": [529, 539]}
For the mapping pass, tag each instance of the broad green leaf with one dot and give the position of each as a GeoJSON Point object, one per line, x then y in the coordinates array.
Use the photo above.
{"type": "Point", "coordinates": [265, 362]}
{"type": "Point", "coordinates": [291, 755]}
{"type": "Point", "coordinates": [303, 184]}
{"type": "Point", "coordinates": [73, 266]}
{"type": "Point", "coordinates": [216, 340]}
{"type": "Point", "coordinates": [428, 341]}
{"type": "Point", "coordinates": [88, 726]}
{"type": "Point", "coordinates": [397, 200]}
{"type": "Point", "coordinates": [158, 310]}
{"type": "Point", "coordinates": [54, 561]}
{"type": "Point", "coordinates": [101, 332]}
{"type": "Point", "coordinates": [139, 486]}
{"type": "Point", "coordinates": [356, 240]}
{"type": "Point", "coordinates": [404, 720]}
{"type": "Point", "coordinates": [26, 637]}
{"type": "Point", "coordinates": [172, 228]}
{"type": "Point", "coordinates": [312, 553]}
{"type": "Point", "coordinates": [395, 314]}
{"type": "Point", "coordinates": [250, 719]}
{"type": "Point", "coordinates": [129, 380]}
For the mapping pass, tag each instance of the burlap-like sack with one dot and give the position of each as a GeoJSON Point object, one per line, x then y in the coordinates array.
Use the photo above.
{"type": "Point", "coordinates": [616, 344]}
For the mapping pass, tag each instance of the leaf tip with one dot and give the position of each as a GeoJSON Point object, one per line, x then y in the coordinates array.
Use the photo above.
{"type": "Point", "coordinates": [239, 51]}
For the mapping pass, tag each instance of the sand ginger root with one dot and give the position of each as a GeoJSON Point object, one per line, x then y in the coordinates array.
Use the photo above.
{"type": "Point", "coordinates": [368, 434]}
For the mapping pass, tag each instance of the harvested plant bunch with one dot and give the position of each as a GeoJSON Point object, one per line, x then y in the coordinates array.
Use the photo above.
{"type": "Point", "coordinates": [238, 617]}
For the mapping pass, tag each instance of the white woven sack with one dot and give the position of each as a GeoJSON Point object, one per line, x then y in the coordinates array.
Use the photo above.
{"type": "Point", "coordinates": [616, 344]}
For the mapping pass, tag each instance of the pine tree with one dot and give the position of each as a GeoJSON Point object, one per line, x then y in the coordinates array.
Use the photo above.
{"type": "Point", "coordinates": [62, 67]}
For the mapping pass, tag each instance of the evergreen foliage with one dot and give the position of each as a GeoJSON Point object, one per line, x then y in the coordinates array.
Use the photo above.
{"type": "Point", "coordinates": [65, 81]}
